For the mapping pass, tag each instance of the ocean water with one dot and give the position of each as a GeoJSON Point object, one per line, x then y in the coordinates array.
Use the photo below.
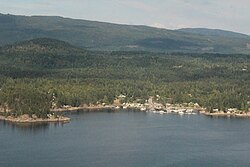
{"type": "Point", "coordinates": [127, 139]}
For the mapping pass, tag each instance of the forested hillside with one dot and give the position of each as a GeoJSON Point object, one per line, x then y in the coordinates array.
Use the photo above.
{"type": "Point", "coordinates": [114, 37]}
{"type": "Point", "coordinates": [45, 72]}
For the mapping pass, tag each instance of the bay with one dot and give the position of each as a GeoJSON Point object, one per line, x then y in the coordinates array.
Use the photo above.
{"type": "Point", "coordinates": [128, 138]}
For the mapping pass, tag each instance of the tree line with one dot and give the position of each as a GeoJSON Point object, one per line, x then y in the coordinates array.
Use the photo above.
{"type": "Point", "coordinates": [29, 79]}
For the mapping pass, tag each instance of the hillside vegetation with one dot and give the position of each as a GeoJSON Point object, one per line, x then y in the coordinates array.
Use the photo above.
{"type": "Point", "coordinates": [47, 72]}
{"type": "Point", "coordinates": [114, 37]}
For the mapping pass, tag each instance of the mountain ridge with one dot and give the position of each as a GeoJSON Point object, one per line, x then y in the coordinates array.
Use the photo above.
{"type": "Point", "coordinates": [98, 35]}
{"type": "Point", "coordinates": [214, 32]}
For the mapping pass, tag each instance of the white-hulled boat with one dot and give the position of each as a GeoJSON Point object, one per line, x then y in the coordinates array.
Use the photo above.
{"type": "Point", "coordinates": [162, 112]}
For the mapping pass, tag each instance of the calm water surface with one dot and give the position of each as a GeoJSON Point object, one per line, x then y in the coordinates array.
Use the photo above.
{"type": "Point", "coordinates": [127, 139]}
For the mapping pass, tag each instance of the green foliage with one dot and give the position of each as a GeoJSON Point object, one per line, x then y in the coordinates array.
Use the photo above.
{"type": "Point", "coordinates": [31, 79]}
{"type": "Point", "coordinates": [24, 98]}
{"type": "Point", "coordinates": [106, 36]}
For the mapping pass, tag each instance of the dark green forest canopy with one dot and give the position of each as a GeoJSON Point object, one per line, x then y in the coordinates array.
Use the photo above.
{"type": "Point", "coordinates": [75, 76]}
{"type": "Point", "coordinates": [109, 37]}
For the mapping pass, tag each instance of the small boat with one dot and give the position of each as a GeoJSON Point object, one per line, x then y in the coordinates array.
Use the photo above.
{"type": "Point", "coordinates": [162, 112]}
{"type": "Point", "coordinates": [181, 113]}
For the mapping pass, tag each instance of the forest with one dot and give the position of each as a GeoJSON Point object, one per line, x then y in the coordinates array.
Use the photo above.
{"type": "Point", "coordinates": [37, 74]}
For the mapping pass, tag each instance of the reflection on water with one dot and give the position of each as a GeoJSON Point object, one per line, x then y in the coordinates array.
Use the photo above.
{"type": "Point", "coordinates": [107, 110]}
{"type": "Point", "coordinates": [43, 126]}
{"type": "Point", "coordinates": [30, 127]}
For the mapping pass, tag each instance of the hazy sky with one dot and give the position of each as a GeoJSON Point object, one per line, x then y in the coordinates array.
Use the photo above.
{"type": "Point", "coordinates": [223, 14]}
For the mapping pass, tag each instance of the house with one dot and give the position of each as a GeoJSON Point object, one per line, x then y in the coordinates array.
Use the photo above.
{"type": "Point", "coordinates": [121, 96]}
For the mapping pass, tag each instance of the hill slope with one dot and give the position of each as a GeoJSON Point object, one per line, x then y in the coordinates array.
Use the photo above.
{"type": "Point", "coordinates": [40, 45]}
{"type": "Point", "coordinates": [76, 76]}
{"type": "Point", "coordinates": [40, 53]}
{"type": "Point", "coordinates": [106, 36]}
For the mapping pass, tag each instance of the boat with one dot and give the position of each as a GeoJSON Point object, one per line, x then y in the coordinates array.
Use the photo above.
{"type": "Point", "coordinates": [162, 112]}
{"type": "Point", "coordinates": [181, 113]}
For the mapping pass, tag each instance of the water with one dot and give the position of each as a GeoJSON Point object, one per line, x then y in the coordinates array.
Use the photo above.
{"type": "Point", "coordinates": [127, 139]}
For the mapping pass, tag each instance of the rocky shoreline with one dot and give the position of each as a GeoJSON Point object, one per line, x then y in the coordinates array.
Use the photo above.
{"type": "Point", "coordinates": [222, 114]}
{"type": "Point", "coordinates": [67, 109]}
{"type": "Point", "coordinates": [180, 109]}
{"type": "Point", "coordinates": [153, 107]}
{"type": "Point", "coordinates": [27, 119]}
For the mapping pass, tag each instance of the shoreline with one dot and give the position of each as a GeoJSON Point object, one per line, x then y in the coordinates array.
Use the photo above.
{"type": "Point", "coordinates": [81, 108]}
{"type": "Point", "coordinates": [162, 110]}
{"type": "Point", "coordinates": [220, 114]}
{"type": "Point", "coordinates": [26, 119]}
{"type": "Point", "coordinates": [167, 110]}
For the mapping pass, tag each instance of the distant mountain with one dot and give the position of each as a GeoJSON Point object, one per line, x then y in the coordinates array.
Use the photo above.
{"type": "Point", "coordinates": [214, 32]}
{"type": "Point", "coordinates": [106, 36]}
